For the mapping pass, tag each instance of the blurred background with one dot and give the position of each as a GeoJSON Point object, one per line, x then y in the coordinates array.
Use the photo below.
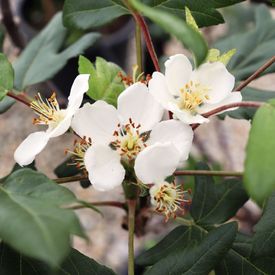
{"type": "Point", "coordinates": [221, 142]}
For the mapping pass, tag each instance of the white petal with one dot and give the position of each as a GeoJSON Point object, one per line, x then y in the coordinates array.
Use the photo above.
{"type": "Point", "coordinates": [156, 162]}
{"type": "Point", "coordinates": [158, 89]}
{"type": "Point", "coordinates": [232, 98]}
{"type": "Point", "coordinates": [186, 116]}
{"type": "Point", "coordinates": [62, 127]}
{"type": "Point", "coordinates": [104, 167]}
{"type": "Point", "coordinates": [138, 104]}
{"type": "Point", "coordinates": [178, 70]}
{"type": "Point", "coordinates": [97, 121]}
{"type": "Point", "coordinates": [215, 77]}
{"type": "Point", "coordinates": [30, 147]}
{"type": "Point", "coordinates": [176, 132]}
{"type": "Point", "coordinates": [78, 89]}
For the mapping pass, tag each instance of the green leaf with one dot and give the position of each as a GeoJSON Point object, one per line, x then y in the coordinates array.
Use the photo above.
{"type": "Point", "coordinates": [6, 76]}
{"type": "Point", "coordinates": [249, 94]}
{"type": "Point", "coordinates": [264, 238]}
{"type": "Point", "coordinates": [176, 26]}
{"type": "Point", "coordinates": [177, 240]}
{"type": "Point", "coordinates": [216, 203]}
{"type": "Point", "coordinates": [87, 14]}
{"type": "Point", "coordinates": [214, 56]}
{"type": "Point", "coordinates": [260, 160]}
{"type": "Point", "coordinates": [104, 82]}
{"type": "Point", "coordinates": [237, 260]}
{"type": "Point", "coordinates": [14, 263]}
{"type": "Point", "coordinates": [254, 47]}
{"type": "Point", "coordinates": [32, 220]}
{"type": "Point", "coordinates": [204, 12]}
{"type": "Point", "coordinates": [199, 259]}
{"type": "Point", "coordinates": [43, 57]}
{"type": "Point", "coordinates": [5, 104]}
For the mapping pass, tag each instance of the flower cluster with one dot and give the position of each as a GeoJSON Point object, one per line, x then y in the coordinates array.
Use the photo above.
{"type": "Point", "coordinates": [133, 139]}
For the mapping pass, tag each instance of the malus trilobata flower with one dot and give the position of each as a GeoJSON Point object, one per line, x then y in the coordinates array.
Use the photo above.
{"type": "Point", "coordinates": [120, 136]}
{"type": "Point", "coordinates": [58, 120]}
{"type": "Point", "coordinates": [189, 93]}
{"type": "Point", "coordinates": [168, 198]}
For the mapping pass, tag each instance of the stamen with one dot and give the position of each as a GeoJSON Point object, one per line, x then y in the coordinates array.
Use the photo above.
{"type": "Point", "coordinates": [168, 198]}
{"type": "Point", "coordinates": [192, 95]}
{"type": "Point", "coordinates": [78, 153]}
{"type": "Point", "coordinates": [128, 140]}
{"type": "Point", "coordinates": [48, 110]}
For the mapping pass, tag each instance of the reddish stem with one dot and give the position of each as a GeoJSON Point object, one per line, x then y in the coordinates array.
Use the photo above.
{"type": "Point", "coordinates": [20, 97]}
{"type": "Point", "coordinates": [253, 104]}
{"type": "Point", "coordinates": [256, 74]}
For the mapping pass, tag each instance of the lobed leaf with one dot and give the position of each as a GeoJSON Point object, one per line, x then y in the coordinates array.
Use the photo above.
{"type": "Point", "coordinates": [201, 258]}
{"type": "Point", "coordinates": [104, 82]}
{"type": "Point", "coordinates": [177, 240]}
{"type": "Point", "coordinates": [216, 203]}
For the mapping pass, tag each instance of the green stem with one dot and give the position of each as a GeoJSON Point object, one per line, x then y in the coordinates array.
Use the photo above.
{"type": "Point", "coordinates": [138, 49]}
{"type": "Point", "coordinates": [208, 173]}
{"type": "Point", "coordinates": [131, 231]}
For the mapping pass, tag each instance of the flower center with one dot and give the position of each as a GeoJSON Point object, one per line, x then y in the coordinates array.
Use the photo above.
{"type": "Point", "coordinates": [128, 140]}
{"type": "Point", "coordinates": [77, 155]}
{"type": "Point", "coordinates": [192, 95]}
{"type": "Point", "coordinates": [48, 111]}
{"type": "Point", "coordinates": [168, 198]}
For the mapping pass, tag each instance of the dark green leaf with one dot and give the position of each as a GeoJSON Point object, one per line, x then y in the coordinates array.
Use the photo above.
{"type": "Point", "coordinates": [190, 38]}
{"type": "Point", "coordinates": [6, 76]}
{"type": "Point", "coordinates": [216, 203]}
{"type": "Point", "coordinates": [13, 263]}
{"type": "Point", "coordinates": [264, 238]}
{"type": "Point", "coordinates": [66, 170]}
{"type": "Point", "coordinates": [249, 94]}
{"type": "Point", "coordinates": [32, 220]}
{"type": "Point", "coordinates": [254, 47]}
{"type": "Point", "coordinates": [204, 12]}
{"type": "Point", "coordinates": [87, 14]}
{"type": "Point", "coordinates": [199, 259]}
{"type": "Point", "coordinates": [42, 58]}
{"type": "Point", "coordinates": [104, 82]}
{"type": "Point", "coordinates": [259, 175]}
{"type": "Point", "coordinates": [238, 261]}
{"type": "Point", "coordinates": [177, 240]}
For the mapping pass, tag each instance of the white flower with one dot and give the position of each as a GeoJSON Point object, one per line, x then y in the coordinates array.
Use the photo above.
{"type": "Point", "coordinates": [58, 120]}
{"type": "Point", "coordinates": [189, 93]}
{"type": "Point", "coordinates": [121, 136]}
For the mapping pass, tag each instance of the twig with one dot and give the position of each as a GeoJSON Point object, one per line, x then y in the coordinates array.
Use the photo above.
{"type": "Point", "coordinates": [19, 97]}
{"type": "Point", "coordinates": [256, 74]}
{"type": "Point", "coordinates": [253, 104]}
{"type": "Point", "coordinates": [208, 173]}
{"type": "Point", "coordinates": [131, 231]}
{"type": "Point", "coordinates": [70, 179]}
{"type": "Point", "coordinates": [10, 25]}
{"type": "Point", "coordinates": [100, 203]}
